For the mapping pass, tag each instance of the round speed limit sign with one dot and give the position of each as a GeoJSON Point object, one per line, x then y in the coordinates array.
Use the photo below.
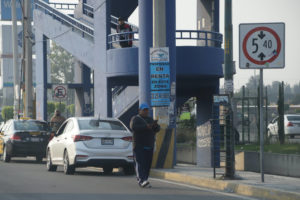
{"type": "Point", "coordinates": [261, 46]}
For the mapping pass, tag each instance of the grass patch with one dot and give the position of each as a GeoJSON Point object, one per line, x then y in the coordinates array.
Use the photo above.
{"type": "Point", "coordinates": [271, 148]}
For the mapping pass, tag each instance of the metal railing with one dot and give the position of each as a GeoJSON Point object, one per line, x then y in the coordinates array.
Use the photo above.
{"type": "Point", "coordinates": [210, 38]}
{"type": "Point", "coordinates": [63, 6]}
{"type": "Point", "coordinates": [88, 10]}
{"type": "Point", "coordinates": [213, 39]}
{"type": "Point", "coordinates": [122, 37]}
{"type": "Point", "coordinates": [65, 19]}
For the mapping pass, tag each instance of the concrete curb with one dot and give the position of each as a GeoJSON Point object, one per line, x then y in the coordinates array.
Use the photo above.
{"type": "Point", "coordinates": [227, 186]}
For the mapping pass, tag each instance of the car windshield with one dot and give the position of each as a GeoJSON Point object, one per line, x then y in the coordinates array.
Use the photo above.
{"type": "Point", "coordinates": [94, 124]}
{"type": "Point", "coordinates": [31, 126]}
{"type": "Point", "coordinates": [293, 118]}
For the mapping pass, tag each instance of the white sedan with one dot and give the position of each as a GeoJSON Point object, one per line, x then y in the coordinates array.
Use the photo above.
{"type": "Point", "coordinates": [88, 141]}
{"type": "Point", "coordinates": [291, 125]}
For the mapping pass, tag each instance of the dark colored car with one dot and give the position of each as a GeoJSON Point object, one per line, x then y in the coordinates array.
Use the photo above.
{"type": "Point", "coordinates": [22, 138]}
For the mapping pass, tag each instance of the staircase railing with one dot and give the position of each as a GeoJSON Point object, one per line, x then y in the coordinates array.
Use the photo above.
{"type": "Point", "coordinates": [76, 25]}
{"type": "Point", "coordinates": [63, 6]}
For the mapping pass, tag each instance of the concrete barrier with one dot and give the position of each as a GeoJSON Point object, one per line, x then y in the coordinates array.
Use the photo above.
{"type": "Point", "coordinates": [186, 154]}
{"type": "Point", "coordinates": [277, 164]}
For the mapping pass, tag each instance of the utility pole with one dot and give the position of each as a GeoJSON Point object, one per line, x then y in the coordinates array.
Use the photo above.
{"type": "Point", "coordinates": [166, 114]}
{"type": "Point", "coordinates": [15, 58]}
{"type": "Point", "coordinates": [229, 145]}
{"type": "Point", "coordinates": [28, 58]}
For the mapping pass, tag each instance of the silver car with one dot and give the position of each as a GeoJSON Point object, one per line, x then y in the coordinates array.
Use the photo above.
{"type": "Point", "coordinates": [291, 125]}
{"type": "Point", "coordinates": [88, 141]}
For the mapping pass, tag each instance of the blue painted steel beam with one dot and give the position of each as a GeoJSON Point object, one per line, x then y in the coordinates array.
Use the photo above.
{"type": "Point", "coordinates": [146, 41]}
{"type": "Point", "coordinates": [45, 79]}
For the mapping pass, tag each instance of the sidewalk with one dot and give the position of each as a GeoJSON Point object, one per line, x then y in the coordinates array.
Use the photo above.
{"type": "Point", "coordinates": [246, 183]}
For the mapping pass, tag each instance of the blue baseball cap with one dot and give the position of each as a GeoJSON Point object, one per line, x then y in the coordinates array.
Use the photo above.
{"type": "Point", "coordinates": [144, 106]}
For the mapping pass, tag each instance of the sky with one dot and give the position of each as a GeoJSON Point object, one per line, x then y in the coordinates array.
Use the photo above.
{"type": "Point", "coordinates": [253, 11]}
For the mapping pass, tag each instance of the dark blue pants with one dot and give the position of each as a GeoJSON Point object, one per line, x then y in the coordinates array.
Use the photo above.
{"type": "Point", "coordinates": [143, 160]}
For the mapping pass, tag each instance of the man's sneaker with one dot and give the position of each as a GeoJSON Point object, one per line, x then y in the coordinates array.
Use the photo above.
{"type": "Point", "coordinates": [149, 185]}
{"type": "Point", "coordinates": [145, 184]}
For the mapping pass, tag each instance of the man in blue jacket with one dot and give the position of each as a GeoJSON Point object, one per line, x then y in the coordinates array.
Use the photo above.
{"type": "Point", "coordinates": [144, 129]}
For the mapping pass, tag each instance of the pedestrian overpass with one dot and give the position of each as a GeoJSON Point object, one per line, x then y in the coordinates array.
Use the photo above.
{"type": "Point", "coordinates": [89, 34]}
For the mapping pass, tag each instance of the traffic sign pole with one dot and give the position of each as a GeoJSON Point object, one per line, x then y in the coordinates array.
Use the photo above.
{"type": "Point", "coordinates": [261, 87]}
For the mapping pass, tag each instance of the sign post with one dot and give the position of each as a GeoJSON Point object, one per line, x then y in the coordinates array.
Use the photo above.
{"type": "Point", "coordinates": [262, 46]}
{"type": "Point", "coordinates": [60, 92]}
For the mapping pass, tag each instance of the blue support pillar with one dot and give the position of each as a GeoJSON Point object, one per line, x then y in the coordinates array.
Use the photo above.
{"type": "Point", "coordinates": [86, 81]}
{"type": "Point", "coordinates": [146, 41]}
{"type": "Point", "coordinates": [216, 18]}
{"type": "Point", "coordinates": [41, 75]}
{"type": "Point", "coordinates": [171, 43]}
{"type": "Point", "coordinates": [102, 89]}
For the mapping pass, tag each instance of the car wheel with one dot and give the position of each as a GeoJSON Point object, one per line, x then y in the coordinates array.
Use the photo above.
{"type": "Point", "coordinates": [6, 157]}
{"type": "Point", "coordinates": [39, 159]}
{"type": "Point", "coordinates": [68, 169]}
{"type": "Point", "coordinates": [107, 170]}
{"type": "Point", "coordinates": [50, 166]}
{"type": "Point", "coordinates": [129, 170]}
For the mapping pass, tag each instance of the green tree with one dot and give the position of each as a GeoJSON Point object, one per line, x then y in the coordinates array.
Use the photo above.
{"type": "Point", "coordinates": [71, 109]}
{"type": "Point", "coordinates": [60, 106]}
{"type": "Point", "coordinates": [7, 112]}
{"type": "Point", "coordinates": [50, 108]}
{"type": "Point", "coordinates": [61, 65]}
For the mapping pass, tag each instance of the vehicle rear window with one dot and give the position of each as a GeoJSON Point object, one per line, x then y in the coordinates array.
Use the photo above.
{"type": "Point", "coordinates": [293, 118]}
{"type": "Point", "coordinates": [31, 126]}
{"type": "Point", "coordinates": [87, 124]}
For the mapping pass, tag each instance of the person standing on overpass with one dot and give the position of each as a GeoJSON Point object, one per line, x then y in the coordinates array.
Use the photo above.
{"type": "Point", "coordinates": [125, 39]}
{"type": "Point", "coordinates": [144, 129]}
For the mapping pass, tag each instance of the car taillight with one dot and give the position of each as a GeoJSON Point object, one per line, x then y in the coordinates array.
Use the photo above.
{"type": "Point", "coordinates": [290, 124]}
{"type": "Point", "coordinates": [128, 139]}
{"type": "Point", "coordinates": [78, 138]}
{"type": "Point", "coordinates": [15, 137]}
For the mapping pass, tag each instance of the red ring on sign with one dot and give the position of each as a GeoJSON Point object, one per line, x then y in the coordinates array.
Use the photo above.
{"type": "Point", "coordinates": [258, 62]}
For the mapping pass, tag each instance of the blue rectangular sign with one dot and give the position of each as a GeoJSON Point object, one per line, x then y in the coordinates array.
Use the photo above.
{"type": "Point", "coordinates": [160, 76]}
{"type": "Point", "coordinates": [160, 98]}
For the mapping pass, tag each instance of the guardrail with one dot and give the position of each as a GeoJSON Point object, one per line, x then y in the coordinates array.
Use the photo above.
{"type": "Point", "coordinates": [63, 6]}
{"type": "Point", "coordinates": [65, 19]}
{"type": "Point", "coordinates": [88, 10]}
{"type": "Point", "coordinates": [215, 38]}
{"type": "Point", "coordinates": [122, 37]}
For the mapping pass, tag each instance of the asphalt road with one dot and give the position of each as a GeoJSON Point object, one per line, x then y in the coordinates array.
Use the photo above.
{"type": "Point", "coordinates": [24, 179]}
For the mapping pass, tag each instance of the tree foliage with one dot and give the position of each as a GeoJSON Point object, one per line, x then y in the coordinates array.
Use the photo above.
{"type": "Point", "coordinates": [291, 93]}
{"type": "Point", "coordinates": [61, 65]}
{"type": "Point", "coordinates": [7, 112]}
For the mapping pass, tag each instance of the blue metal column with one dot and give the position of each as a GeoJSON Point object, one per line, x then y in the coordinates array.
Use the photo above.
{"type": "Point", "coordinates": [86, 81]}
{"type": "Point", "coordinates": [41, 75]}
{"type": "Point", "coordinates": [171, 43]}
{"type": "Point", "coordinates": [45, 76]}
{"type": "Point", "coordinates": [102, 92]}
{"type": "Point", "coordinates": [216, 18]}
{"type": "Point", "coordinates": [145, 38]}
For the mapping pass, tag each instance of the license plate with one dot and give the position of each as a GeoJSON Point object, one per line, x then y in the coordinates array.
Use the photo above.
{"type": "Point", "coordinates": [35, 139]}
{"type": "Point", "coordinates": [107, 141]}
